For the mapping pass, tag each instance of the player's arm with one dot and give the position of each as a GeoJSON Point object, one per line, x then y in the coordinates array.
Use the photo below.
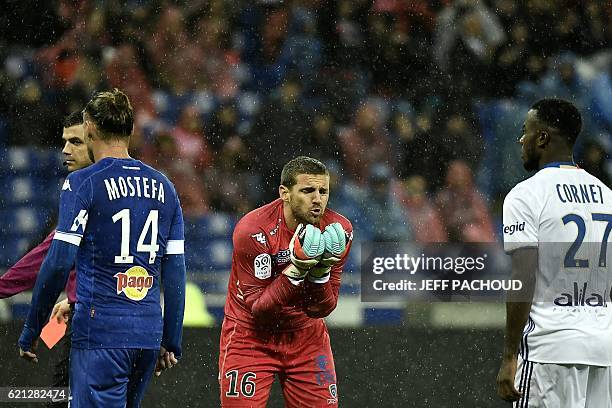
{"type": "Point", "coordinates": [56, 267]}
{"type": "Point", "coordinates": [173, 276]}
{"type": "Point", "coordinates": [522, 246]}
{"type": "Point", "coordinates": [22, 276]}
{"type": "Point", "coordinates": [323, 282]}
{"type": "Point", "coordinates": [51, 280]}
{"type": "Point", "coordinates": [518, 306]}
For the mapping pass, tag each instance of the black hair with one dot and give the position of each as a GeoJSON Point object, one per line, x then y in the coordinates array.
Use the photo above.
{"type": "Point", "coordinates": [561, 115]}
{"type": "Point", "coordinates": [301, 165]}
{"type": "Point", "coordinates": [73, 119]}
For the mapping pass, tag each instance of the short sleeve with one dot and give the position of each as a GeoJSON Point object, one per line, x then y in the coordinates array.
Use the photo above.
{"type": "Point", "coordinates": [520, 229]}
{"type": "Point", "coordinates": [75, 200]}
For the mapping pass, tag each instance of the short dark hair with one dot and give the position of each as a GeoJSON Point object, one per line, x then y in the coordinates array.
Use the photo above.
{"type": "Point", "coordinates": [561, 115]}
{"type": "Point", "coordinates": [112, 113]}
{"type": "Point", "coordinates": [301, 165]}
{"type": "Point", "coordinates": [73, 119]}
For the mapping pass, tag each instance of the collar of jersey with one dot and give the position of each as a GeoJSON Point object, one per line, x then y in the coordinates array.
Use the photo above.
{"type": "Point", "coordinates": [562, 165]}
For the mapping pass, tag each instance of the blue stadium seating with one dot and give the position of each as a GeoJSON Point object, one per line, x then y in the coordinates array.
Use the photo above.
{"type": "Point", "coordinates": [26, 220]}
{"type": "Point", "coordinates": [32, 190]}
{"type": "Point", "coordinates": [217, 225]}
{"type": "Point", "coordinates": [12, 248]}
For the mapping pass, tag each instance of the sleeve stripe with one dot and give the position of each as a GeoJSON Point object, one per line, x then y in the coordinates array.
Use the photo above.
{"type": "Point", "coordinates": [70, 238]}
{"type": "Point", "coordinates": [175, 247]}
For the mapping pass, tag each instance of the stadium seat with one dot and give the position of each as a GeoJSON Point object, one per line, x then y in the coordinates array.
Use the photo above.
{"type": "Point", "coordinates": [217, 225]}
{"type": "Point", "coordinates": [12, 248]}
{"type": "Point", "coordinates": [26, 220]}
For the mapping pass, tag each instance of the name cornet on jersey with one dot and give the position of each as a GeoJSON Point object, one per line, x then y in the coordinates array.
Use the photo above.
{"type": "Point", "coordinates": [134, 187]}
{"type": "Point", "coordinates": [581, 194]}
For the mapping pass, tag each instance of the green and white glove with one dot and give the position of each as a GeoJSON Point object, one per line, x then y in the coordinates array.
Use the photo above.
{"type": "Point", "coordinates": [305, 248]}
{"type": "Point", "coordinates": [335, 239]}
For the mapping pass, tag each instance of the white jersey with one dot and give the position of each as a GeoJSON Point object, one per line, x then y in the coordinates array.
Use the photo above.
{"type": "Point", "coordinates": [567, 214]}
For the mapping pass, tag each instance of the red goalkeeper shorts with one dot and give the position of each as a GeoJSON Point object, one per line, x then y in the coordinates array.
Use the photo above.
{"type": "Point", "coordinates": [302, 360]}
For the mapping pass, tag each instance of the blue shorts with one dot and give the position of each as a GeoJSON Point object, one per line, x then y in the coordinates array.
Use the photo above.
{"type": "Point", "coordinates": [109, 378]}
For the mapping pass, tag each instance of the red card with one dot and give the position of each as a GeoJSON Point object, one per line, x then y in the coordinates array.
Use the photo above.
{"type": "Point", "coordinates": [53, 332]}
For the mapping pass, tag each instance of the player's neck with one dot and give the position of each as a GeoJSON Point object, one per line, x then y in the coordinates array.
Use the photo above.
{"type": "Point", "coordinates": [117, 150]}
{"type": "Point", "coordinates": [555, 157]}
{"type": "Point", "coordinates": [290, 220]}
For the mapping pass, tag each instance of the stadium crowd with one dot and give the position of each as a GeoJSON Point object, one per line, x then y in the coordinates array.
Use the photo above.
{"type": "Point", "coordinates": [390, 94]}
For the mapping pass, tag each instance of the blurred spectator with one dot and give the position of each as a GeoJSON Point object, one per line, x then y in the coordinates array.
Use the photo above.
{"type": "Point", "coordinates": [464, 211]}
{"type": "Point", "coordinates": [387, 220]}
{"type": "Point", "coordinates": [364, 143]}
{"type": "Point", "coordinates": [222, 126]}
{"type": "Point", "coordinates": [34, 122]}
{"type": "Point", "coordinates": [190, 140]}
{"type": "Point", "coordinates": [459, 140]}
{"type": "Point", "coordinates": [398, 47]}
{"type": "Point", "coordinates": [562, 80]}
{"type": "Point", "coordinates": [601, 92]}
{"type": "Point", "coordinates": [232, 90]}
{"type": "Point", "coordinates": [511, 60]}
{"type": "Point", "coordinates": [418, 151]}
{"type": "Point", "coordinates": [322, 142]}
{"type": "Point", "coordinates": [165, 156]}
{"type": "Point", "coordinates": [594, 161]}
{"type": "Point", "coordinates": [279, 134]}
{"type": "Point", "coordinates": [467, 36]}
{"type": "Point", "coordinates": [424, 218]}
{"type": "Point", "coordinates": [166, 42]}
{"type": "Point", "coordinates": [232, 180]}
{"type": "Point", "coordinates": [123, 71]}
{"type": "Point", "coordinates": [596, 26]}
{"type": "Point", "coordinates": [342, 25]}
{"type": "Point", "coordinates": [265, 31]}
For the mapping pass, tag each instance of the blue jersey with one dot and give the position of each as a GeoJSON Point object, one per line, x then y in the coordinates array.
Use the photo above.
{"type": "Point", "coordinates": [125, 217]}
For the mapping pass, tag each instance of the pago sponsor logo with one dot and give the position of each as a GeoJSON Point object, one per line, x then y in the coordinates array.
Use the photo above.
{"type": "Point", "coordinates": [134, 283]}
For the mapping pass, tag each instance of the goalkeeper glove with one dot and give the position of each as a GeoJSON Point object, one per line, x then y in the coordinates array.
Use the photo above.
{"type": "Point", "coordinates": [335, 246]}
{"type": "Point", "coordinates": [305, 248]}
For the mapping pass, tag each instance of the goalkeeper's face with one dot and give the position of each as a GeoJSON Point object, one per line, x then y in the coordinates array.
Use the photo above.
{"type": "Point", "coordinates": [308, 198]}
{"type": "Point", "coordinates": [75, 149]}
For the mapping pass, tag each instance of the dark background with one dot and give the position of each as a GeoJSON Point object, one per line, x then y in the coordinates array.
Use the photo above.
{"type": "Point", "coordinates": [376, 367]}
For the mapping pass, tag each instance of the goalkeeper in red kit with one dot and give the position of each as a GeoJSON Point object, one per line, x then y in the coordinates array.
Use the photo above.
{"type": "Point", "coordinates": [286, 271]}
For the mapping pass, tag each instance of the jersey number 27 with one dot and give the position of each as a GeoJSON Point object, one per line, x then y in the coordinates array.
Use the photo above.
{"type": "Point", "coordinates": [570, 257]}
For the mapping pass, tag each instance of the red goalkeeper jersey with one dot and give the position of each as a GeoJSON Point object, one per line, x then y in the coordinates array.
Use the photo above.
{"type": "Point", "coordinates": [259, 295]}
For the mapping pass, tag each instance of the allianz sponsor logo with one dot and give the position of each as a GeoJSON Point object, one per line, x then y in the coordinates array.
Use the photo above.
{"type": "Point", "coordinates": [580, 296]}
{"type": "Point", "coordinates": [511, 229]}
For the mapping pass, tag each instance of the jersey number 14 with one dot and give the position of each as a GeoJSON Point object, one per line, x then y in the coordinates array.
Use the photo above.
{"type": "Point", "coordinates": [149, 226]}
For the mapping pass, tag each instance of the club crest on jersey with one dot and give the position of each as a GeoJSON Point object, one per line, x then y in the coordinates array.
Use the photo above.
{"type": "Point", "coordinates": [260, 237]}
{"type": "Point", "coordinates": [134, 283]}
